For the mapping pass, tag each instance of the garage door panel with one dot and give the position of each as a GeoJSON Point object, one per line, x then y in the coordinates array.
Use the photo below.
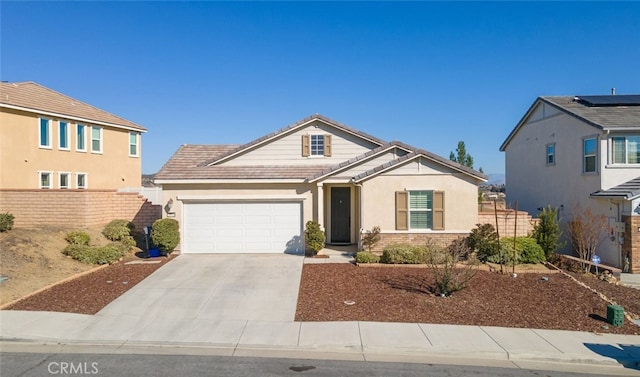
{"type": "Point", "coordinates": [242, 227]}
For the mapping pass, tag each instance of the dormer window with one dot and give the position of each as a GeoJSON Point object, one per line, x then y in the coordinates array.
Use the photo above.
{"type": "Point", "coordinates": [316, 145]}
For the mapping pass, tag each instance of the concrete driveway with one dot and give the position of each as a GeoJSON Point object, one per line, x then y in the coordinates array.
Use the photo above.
{"type": "Point", "coordinates": [216, 287]}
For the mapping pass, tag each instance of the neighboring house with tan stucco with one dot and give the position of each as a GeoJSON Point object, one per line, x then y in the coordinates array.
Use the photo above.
{"type": "Point", "coordinates": [258, 196]}
{"type": "Point", "coordinates": [50, 142]}
{"type": "Point", "coordinates": [581, 150]}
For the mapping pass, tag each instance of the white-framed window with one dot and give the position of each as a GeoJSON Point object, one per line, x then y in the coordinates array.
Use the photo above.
{"type": "Point", "coordinates": [589, 155]}
{"type": "Point", "coordinates": [625, 150]}
{"type": "Point", "coordinates": [551, 154]}
{"type": "Point", "coordinates": [63, 135]}
{"type": "Point", "coordinates": [96, 139]}
{"type": "Point", "coordinates": [133, 144]}
{"type": "Point", "coordinates": [45, 133]}
{"type": "Point", "coordinates": [317, 145]}
{"type": "Point", "coordinates": [63, 180]}
{"type": "Point", "coordinates": [45, 179]}
{"type": "Point", "coordinates": [421, 209]}
{"type": "Point", "coordinates": [81, 137]}
{"type": "Point", "coordinates": [82, 180]}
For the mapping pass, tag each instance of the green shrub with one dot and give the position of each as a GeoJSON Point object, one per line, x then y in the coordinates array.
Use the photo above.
{"type": "Point", "coordinates": [547, 231]}
{"type": "Point", "coordinates": [75, 250]}
{"type": "Point", "coordinates": [484, 241]}
{"type": "Point", "coordinates": [6, 221]}
{"type": "Point", "coordinates": [78, 237]}
{"type": "Point", "coordinates": [118, 230]}
{"type": "Point", "coordinates": [367, 257]}
{"type": "Point", "coordinates": [448, 276]}
{"type": "Point", "coordinates": [95, 254]}
{"type": "Point", "coordinates": [527, 250]}
{"type": "Point", "coordinates": [314, 237]}
{"type": "Point", "coordinates": [404, 254]}
{"type": "Point", "coordinates": [165, 234]}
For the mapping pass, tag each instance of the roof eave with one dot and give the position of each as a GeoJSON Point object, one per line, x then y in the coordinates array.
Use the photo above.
{"type": "Point", "coordinates": [167, 181]}
{"type": "Point", "coordinates": [71, 117]}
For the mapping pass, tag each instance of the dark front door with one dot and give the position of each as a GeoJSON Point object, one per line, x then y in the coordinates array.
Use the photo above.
{"type": "Point", "coordinates": [341, 214]}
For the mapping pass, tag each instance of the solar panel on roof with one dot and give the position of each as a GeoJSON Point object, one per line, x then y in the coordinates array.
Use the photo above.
{"type": "Point", "coordinates": [611, 100]}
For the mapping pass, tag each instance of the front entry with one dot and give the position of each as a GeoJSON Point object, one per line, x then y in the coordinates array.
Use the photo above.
{"type": "Point", "coordinates": [340, 214]}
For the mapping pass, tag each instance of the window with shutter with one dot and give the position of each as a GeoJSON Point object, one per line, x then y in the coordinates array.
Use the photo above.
{"type": "Point", "coordinates": [421, 209]}
{"type": "Point", "coordinates": [402, 214]}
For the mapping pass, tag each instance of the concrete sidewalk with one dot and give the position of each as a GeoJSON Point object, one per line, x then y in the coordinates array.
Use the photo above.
{"type": "Point", "coordinates": [350, 340]}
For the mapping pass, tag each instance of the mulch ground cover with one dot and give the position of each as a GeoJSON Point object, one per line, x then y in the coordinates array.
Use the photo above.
{"type": "Point", "coordinates": [88, 294]}
{"type": "Point", "coordinates": [345, 292]}
{"type": "Point", "coordinates": [404, 294]}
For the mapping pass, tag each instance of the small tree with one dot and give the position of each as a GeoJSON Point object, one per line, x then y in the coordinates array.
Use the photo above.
{"type": "Point", "coordinates": [461, 156]}
{"type": "Point", "coordinates": [547, 231]}
{"type": "Point", "coordinates": [371, 238]}
{"type": "Point", "coordinates": [586, 231]}
{"type": "Point", "coordinates": [443, 263]}
{"type": "Point", "coordinates": [314, 237]}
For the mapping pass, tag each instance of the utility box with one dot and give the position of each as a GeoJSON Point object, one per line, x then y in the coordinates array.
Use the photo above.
{"type": "Point", "coordinates": [615, 315]}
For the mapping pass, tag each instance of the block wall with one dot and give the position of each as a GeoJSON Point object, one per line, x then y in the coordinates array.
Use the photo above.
{"type": "Point", "coordinates": [76, 208]}
{"type": "Point", "coordinates": [508, 222]}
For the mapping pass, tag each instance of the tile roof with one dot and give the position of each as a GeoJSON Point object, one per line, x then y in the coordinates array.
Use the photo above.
{"type": "Point", "coordinates": [185, 164]}
{"type": "Point", "coordinates": [37, 98]}
{"type": "Point", "coordinates": [603, 117]}
{"type": "Point", "coordinates": [627, 190]}
{"type": "Point", "coordinates": [291, 128]}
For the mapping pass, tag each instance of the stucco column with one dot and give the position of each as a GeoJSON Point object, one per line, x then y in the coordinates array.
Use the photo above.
{"type": "Point", "coordinates": [320, 205]}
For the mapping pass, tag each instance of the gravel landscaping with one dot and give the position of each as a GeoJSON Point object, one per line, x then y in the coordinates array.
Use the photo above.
{"type": "Point", "coordinates": [345, 292]}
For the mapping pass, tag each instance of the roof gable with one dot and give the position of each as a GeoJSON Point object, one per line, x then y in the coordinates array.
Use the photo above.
{"type": "Point", "coordinates": [269, 138]}
{"type": "Point", "coordinates": [609, 117]}
{"type": "Point", "coordinates": [33, 97]}
{"type": "Point", "coordinates": [417, 154]}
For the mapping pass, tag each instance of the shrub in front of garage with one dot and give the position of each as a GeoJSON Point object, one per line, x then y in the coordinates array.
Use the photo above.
{"type": "Point", "coordinates": [165, 234]}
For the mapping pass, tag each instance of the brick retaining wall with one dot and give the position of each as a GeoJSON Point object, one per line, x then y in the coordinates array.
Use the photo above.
{"type": "Point", "coordinates": [506, 222]}
{"type": "Point", "coordinates": [77, 208]}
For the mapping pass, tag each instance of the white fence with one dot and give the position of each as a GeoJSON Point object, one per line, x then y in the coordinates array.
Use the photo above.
{"type": "Point", "coordinates": [153, 194]}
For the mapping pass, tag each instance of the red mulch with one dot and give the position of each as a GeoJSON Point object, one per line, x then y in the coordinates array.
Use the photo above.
{"type": "Point", "coordinates": [392, 294]}
{"type": "Point", "coordinates": [403, 294]}
{"type": "Point", "coordinates": [88, 294]}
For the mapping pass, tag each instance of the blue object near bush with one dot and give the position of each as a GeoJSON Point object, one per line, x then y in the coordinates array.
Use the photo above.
{"type": "Point", "coordinates": [154, 253]}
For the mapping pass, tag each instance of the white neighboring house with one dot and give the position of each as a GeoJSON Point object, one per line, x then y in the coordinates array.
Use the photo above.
{"type": "Point", "coordinates": [582, 150]}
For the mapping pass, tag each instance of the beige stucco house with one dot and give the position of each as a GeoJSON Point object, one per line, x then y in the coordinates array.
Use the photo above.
{"type": "Point", "coordinates": [257, 197]}
{"type": "Point", "coordinates": [60, 158]}
{"type": "Point", "coordinates": [581, 150]}
{"type": "Point", "coordinates": [52, 141]}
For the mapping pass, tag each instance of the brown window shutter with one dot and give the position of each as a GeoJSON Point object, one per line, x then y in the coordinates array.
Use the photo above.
{"type": "Point", "coordinates": [438, 210]}
{"type": "Point", "coordinates": [306, 148]}
{"type": "Point", "coordinates": [402, 212]}
{"type": "Point", "coordinates": [327, 145]}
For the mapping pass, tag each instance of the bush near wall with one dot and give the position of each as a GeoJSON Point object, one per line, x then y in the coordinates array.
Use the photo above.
{"type": "Point", "coordinates": [404, 254]}
{"type": "Point", "coordinates": [6, 221]}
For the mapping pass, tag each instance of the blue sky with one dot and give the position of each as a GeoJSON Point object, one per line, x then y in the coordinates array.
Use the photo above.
{"type": "Point", "coordinates": [425, 73]}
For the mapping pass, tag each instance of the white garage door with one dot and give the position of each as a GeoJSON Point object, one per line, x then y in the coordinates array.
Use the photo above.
{"type": "Point", "coordinates": [242, 227]}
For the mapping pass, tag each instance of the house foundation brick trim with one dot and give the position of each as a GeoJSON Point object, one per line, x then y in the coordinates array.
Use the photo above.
{"type": "Point", "coordinates": [417, 239]}
{"type": "Point", "coordinates": [631, 245]}
{"type": "Point", "coordinates": [77, 208]}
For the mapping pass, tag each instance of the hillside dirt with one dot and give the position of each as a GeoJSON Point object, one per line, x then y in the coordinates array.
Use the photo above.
{"type": "Point", "coordinates": [31, 259]}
